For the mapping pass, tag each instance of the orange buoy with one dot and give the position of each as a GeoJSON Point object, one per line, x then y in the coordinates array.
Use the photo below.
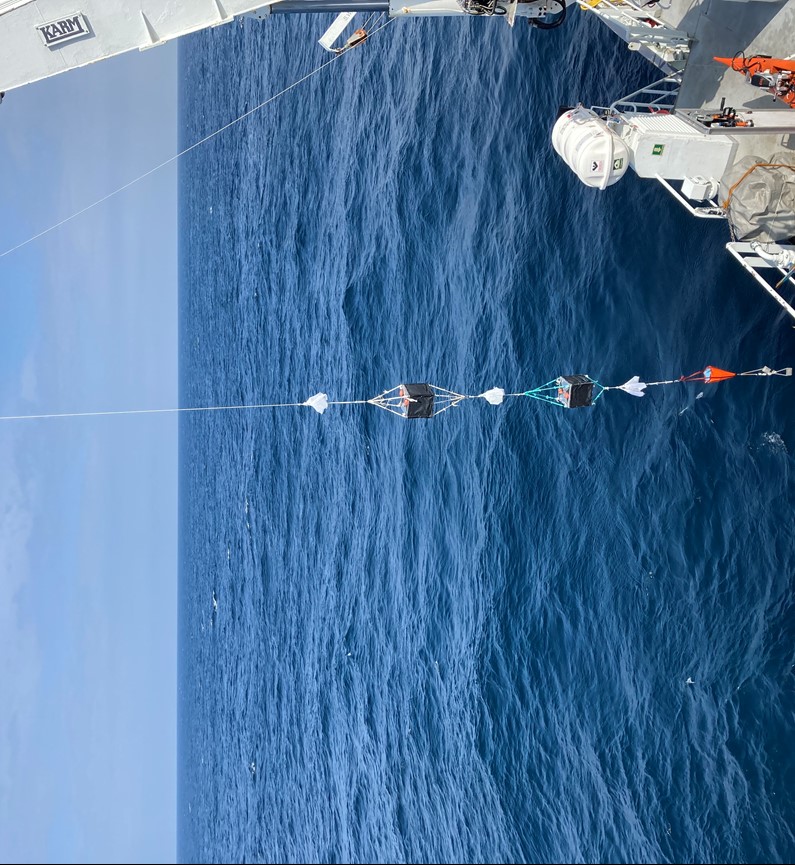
{"type": "Point", "coordinates": [713, 374]}
{"type": "Point", "coordinates": [709, 375]}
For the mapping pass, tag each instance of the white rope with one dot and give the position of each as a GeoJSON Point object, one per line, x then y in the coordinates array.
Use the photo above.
{"type": "Point", "coordinates": [251, 407]}
{"type": "Point", "coordinates": [392, 399]}
{"type": "Point", "coordinates": [182, 152]}
{"type": "Point", "coordinates": [152, 411]}
{"type": "Point", "coordinates": [370, 21]}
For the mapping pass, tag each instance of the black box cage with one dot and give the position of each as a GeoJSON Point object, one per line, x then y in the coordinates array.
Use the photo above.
{"type": "Point", "coordinates": [417, 400]}
{"type": "Point", "coordinates": [575, 391]}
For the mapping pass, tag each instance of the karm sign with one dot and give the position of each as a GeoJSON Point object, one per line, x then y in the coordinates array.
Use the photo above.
{"type": "Point", "coordinates": [64, 30]}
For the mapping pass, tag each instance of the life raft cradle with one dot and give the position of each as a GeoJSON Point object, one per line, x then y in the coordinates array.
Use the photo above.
{"type": "Point", "coordinates": [423, 400]}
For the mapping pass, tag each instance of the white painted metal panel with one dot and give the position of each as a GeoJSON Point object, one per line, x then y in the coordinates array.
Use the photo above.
{"type": "Point", "coordinates": [331, 35]}
{"type": "Point", "coordinates": [115, 26]}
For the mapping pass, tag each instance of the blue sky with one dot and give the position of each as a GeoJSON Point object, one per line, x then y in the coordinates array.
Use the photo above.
{"type": "Point", "coordinates": [88, 507]}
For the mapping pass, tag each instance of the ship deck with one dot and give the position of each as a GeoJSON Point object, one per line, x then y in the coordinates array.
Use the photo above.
{"type": "Point", "coordinates": [717, 28]}
{"type": "Point", "coordinates": [722, 28]}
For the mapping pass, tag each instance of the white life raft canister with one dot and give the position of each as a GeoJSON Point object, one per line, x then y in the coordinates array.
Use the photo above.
{"type": "Point", "coordinates": [590, 148]}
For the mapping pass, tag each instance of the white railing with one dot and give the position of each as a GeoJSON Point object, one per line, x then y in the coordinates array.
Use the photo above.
{"type": "Point", "coordinates": [766, 267]}
{"type": "Point", "coordinates": [10, 5]}
{"type": "Point", "coordinates": [664, 45]}
{"type": "Point", "coordinates": [659, 97]}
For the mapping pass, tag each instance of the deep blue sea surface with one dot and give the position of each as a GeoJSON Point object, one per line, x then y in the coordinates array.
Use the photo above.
{"type": "Point", "coordinates": [468, 639]}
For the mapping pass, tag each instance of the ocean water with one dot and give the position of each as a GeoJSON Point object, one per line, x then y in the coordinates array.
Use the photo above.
{"type": "Point", "coordinates": [468, 639]}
